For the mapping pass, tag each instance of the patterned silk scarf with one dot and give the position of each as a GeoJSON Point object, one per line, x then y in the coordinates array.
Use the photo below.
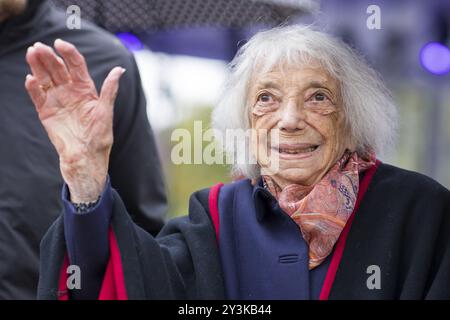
{"type": "Point", "coordinates": [321, 211]}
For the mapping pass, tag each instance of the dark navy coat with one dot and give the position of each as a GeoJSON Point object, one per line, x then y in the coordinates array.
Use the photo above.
{"type": "Point", "coordinates": [401, 229]}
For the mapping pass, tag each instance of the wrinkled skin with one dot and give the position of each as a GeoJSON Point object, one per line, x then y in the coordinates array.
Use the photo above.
{"type": "Point", "coordinates": [303, 104]}
{"type": "Point", "coordinates": [77, 119]}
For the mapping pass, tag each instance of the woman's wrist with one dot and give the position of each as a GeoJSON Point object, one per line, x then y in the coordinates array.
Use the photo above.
{"type": "Point", "coordinates": [85, 182]}
{"type": "Point", "coordinates": [86, 189]}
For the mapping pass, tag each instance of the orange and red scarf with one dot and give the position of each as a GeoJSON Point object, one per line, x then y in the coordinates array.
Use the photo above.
{"type": "Point", "coordinates": [321, 211]}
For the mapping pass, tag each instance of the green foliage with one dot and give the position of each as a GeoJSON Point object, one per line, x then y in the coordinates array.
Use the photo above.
{"type": "Point", "coordinates": [182, 180]}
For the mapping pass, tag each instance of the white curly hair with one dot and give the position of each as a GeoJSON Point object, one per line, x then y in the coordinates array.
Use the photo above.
{"type": "Point", "coordinates": [369, 110]}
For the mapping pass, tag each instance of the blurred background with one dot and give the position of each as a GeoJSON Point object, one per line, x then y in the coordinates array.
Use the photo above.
{"type": "Point", "coordinates": [182, 48]}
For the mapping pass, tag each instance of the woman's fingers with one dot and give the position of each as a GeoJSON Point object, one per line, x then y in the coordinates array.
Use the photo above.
{"type": "Point", "coordinates": [111, 86]}
{"type": "Point", "coordinates": [53, 64]}
{"type": "Point", "coordinates": [36, 93]}
{"type": "Point", "coordinates": [37, 68]}
{"type": "Point", "coordinates": [74, 60]}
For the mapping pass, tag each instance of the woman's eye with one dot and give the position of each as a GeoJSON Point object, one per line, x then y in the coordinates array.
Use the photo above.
{"type": "Point", "coordinates": [319, 97]}
{"type": "Point", "coordinates": [265, 97]}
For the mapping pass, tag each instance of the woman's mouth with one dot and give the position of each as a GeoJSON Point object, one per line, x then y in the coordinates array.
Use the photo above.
{"type": "Point", "coordinates": [295, 151]}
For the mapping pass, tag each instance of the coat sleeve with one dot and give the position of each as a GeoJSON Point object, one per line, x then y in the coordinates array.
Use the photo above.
{"type": "Point", "coordinates": [181, 263]}
{"type": "Point", "coordinates": [135, 167]}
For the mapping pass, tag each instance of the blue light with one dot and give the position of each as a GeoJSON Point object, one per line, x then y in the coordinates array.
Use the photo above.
{"type": "Point", "coordinates": [130, 41]}
{"type": "Point", "coordinates": [435, 58]}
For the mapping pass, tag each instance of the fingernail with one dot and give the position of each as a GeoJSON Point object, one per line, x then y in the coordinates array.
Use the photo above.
{"type": "Point", "coordinates": [123, 70]}
{"type": "Point", "coordinates": [61, 41]}
{"type": "Point", "coordinates": [30, 49]}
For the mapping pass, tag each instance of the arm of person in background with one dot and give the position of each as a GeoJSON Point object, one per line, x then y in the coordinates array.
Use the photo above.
{"type": "Point", "coordinates": [135, 169]}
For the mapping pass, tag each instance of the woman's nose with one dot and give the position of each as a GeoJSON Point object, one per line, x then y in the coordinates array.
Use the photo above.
{"type": "Point", "coordinates": [292, 117]}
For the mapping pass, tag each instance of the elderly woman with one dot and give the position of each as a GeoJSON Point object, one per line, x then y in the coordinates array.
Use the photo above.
{"type": "Point", "coordinates": [329, 221]}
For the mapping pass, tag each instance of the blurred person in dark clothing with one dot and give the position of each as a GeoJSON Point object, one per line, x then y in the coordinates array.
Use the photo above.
{"type": "Point", "coordinates": [29, 176]}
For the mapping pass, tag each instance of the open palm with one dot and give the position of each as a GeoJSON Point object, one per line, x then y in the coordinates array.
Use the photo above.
{"type": "Point", "coordinates": [78, 121]}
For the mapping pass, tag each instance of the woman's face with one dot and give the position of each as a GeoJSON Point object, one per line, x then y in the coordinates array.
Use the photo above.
{"type": "Point", "coordinates": [304, 104]}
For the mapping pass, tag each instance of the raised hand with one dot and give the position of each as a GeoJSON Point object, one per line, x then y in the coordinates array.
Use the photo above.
{"type": "Point", "coordinates": [78, 121]}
